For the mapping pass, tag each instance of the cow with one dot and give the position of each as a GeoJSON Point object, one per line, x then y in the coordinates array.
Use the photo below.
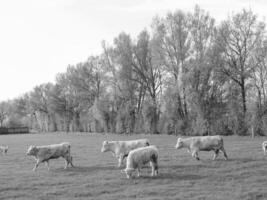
{"type": "Point", "coordinates": [139, 157]}
{"type": "Point", "coordinates": [264, 147]}
{"type": "Point", "coordinates": [4, 149]}
{"type": "Point", "coordinates": [121, 149]}
{"type": "Point", "coordinates": [45, 153]}
{"type": "Point", "coordinates": [202, 143]}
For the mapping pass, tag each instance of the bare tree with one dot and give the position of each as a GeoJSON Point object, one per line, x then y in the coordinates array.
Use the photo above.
{"type": "Point", "coordinates": [172, 44]}
{"type": "Point", "coordinates": [149, 74]}
{"type": "Point", "coordinates": [3, 112]}
{"type": "Point", "coordinates": [238, 39]}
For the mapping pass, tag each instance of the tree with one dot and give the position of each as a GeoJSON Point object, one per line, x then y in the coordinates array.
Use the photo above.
{"type": "Point", "coordinates": [149, 74]}
{"type": "Point", "coordinates": [3, 112]}
{"type": "Point", "coordinates": [119, 59]}
{"type": "Point", "coordinates": [238, 38]}
{"type": "Point", "coordinates": [184, 76]}
{"type": "Point", "coordinates": [259, 82]}
{"type": "Point", "coordinates": [40, 108]}
{"type": "Point", "coordinates": [76, 90]}
{"type": "Point", "coordinates": [201, 76]}
{"type": "Point", "coordinates": [259, 72]}
{"type": "Point", "coordinates": [172, 44]}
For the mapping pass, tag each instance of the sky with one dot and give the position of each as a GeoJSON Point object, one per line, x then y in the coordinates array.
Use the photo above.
{"type": "Point", "coordinates": [40, 38]}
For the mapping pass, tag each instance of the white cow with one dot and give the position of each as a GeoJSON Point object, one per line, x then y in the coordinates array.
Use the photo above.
{"type": "Point", "coordinates": [139, 157]}
{"type": "Point", "coordinates": [4, 149]}
{"type": "Point", "coordinates": [202, 143]}
{"type": "Point", "coordinates": [264, 147]}
{"type": "Point", "coordinates": [121, 149]}
{"type": "Point", "coordinates": [45, 153]}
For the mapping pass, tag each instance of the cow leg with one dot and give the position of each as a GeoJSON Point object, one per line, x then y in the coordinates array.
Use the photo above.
{"type": "Point", "coordinates": [138, 172]}
{"type": "Point", "coordinates": [156, 168]}
{"type": "Point", "coordinates": [47, 165]}
{"type": "Point", "coordinates": [195, 155]}
{"type": "Point", "coordinates": [128, 176]}
{"type": "Point", "coordinates": [153, 171]}
{"type": "Point", "coordinates": [264, 150]}
{"type": "Point", "coordinates": [224, 153]}
{"type": "Point", "coordinates": [154, 165]}
{"type": "Point", "coordinates": [120, 160]}
{"type": "Point", "coordinates": [124, 156]}
{"type": "Point", "coordinates": [66, 164]}
{"type": "Point", "coordinates": [70, 161]}
{"type": "Point", "coordinates": [66, 161]}
{"type": "Point", "coordinates": [36, 165]}
{"type": "Point", "coordinates": [216, 153]}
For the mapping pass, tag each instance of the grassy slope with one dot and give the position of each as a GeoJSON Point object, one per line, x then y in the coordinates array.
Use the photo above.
{"type": "Point", "coordinates": [97, 177]}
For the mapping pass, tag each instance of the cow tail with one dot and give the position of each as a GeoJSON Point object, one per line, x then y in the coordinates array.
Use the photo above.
{"type": "Point", "coordinates": [222, 145]}
{"type": "Point", "coordinates": [69, 150]}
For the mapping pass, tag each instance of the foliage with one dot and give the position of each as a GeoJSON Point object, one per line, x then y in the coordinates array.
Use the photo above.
{"type": "Point", "coordinates": [186, 75]}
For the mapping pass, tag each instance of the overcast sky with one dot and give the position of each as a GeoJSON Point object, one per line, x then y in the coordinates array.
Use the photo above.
{"type": "Point", "coordinates": [39, 38]}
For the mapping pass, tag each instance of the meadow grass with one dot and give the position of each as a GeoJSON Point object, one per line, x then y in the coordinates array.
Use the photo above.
{"type": "Point", "coordinates": [96, 176]}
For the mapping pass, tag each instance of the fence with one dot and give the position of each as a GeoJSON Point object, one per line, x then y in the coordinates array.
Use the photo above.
{"type": "Point", "coordinates": [14, 130]}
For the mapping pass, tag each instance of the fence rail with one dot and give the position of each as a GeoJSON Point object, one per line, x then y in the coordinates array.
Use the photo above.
{"type": "Point", "coordinates": [14, 130]}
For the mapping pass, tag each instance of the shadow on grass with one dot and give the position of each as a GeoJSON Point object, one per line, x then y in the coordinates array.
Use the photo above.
{"type": "Point", "coordinates": [242, 160]}
{"type": "Point", "coordinates": [199, 165]}
{"type": "Point", "coordinates": [86, 169]}
{"type": "Point", "coordinates": [172, 176]}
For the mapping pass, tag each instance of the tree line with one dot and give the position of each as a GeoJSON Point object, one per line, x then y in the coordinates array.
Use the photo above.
{"type": "Point", "coordinates": [185, 75]}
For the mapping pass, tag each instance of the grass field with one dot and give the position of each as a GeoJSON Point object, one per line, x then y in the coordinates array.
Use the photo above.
{"type": "Point", "coordinates": [96, 176]}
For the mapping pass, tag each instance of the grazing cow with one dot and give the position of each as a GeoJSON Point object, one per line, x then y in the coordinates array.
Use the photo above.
{"type": "Point", "coordinates": [121, 149]}
{"type": "Point", "coordinates": [45, 153]}
{"type": "Point", "coordinates": [139, 157]}
{"type": "Point", "coordinates": [4, 149]}
{"type": "Point", "coordinates": [264, 147]}
{"type": "Point", "coordinates": [202, 143]}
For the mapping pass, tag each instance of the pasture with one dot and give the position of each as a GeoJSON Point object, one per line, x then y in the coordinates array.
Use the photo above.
{"type": "Point", "coordinates": [96, 176]}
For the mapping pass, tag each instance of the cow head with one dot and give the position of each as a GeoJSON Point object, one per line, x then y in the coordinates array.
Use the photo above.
{"type": "Point", "coordinates": [105, 146]}
{"type": "Point", "coordinates": [5, 149]}
{"type": "Point", "coordinates": [179, 143]}
{"type": "Point", "coordinates": [128, 172]}
{"type": "Point", "coordinates": [32, 151]}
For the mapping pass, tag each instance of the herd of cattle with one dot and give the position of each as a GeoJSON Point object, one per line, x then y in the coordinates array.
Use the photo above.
{"type": "Point", "coordinates": [138, 152]}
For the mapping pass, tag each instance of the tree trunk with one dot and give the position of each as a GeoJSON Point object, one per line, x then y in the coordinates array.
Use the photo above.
{"type": "Point", "coordinates": [185, 104]}
{"type": "Point", "coordinates": [77, 122]}
{"type": "Point", "coordinates": [154, 120]}
{"type": "Point", "coordinates": [243, 91]}
{"type": "Point", "coordinates": [140, 97]}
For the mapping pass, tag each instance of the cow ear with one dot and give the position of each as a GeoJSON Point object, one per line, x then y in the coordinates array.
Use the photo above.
{"type": "Point", "coordinates": [33, 147]}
